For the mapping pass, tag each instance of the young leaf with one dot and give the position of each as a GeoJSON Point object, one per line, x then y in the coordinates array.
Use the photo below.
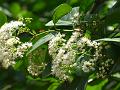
{"type": "Point", "coordinates": [60, 11]}
{"type": "Point", "coordinates": [41, 41]}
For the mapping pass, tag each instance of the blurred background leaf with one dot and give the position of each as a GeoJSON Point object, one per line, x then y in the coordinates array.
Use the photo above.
{"type": "Point", "coordinates": [3, 18]}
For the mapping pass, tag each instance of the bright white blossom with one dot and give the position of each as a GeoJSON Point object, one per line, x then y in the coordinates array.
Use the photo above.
{"type": "Point", "coordinates": [65, 58]}
{"type": "Point", "coordinates": [6, 63]}
{"type": "Point", "coordinates": [55, 44]}
{"type": "Point", "coordinates": [12, 41]}
{"type": "Point", "coordinates": [88, 66]}
{"type": "Point", "coordinates": [10, 44]}
{"type": "Point", "coordinates": [13, 25]}
{"type": "Point", "coordinates": [22, 48]}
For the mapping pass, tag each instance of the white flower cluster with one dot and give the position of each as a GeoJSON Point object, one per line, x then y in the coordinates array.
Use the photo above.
{"type": "Point", "coordinates": [12, 26]}
{"type": "Point", "coordinates": [55, 44]}
{"type": "Point", "coordinates": [10, 45]}
{"type": "Point", "coordinates": [65, 58]}
{"type": "Point", "coordinates": [65, 54]}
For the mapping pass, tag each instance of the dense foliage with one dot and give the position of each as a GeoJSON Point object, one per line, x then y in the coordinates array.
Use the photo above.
{"type": "Point", "coordinates": [60, 45]}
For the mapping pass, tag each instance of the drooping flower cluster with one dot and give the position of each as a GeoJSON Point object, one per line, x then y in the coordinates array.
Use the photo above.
{"type": "Point", "coordinates": [10, 45]}
{"type": "Point", "coordinates": [55, 43]}
{"type": "Point", "coordinates": [65, 58]}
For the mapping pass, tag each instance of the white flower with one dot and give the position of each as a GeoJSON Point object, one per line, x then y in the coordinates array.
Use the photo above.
{"type": "Point", "coordinates": [65, 59]}
{"type": "Point", "coordinates": [10, 26]}
{"type": "Point", "coordinates": [22, 48]}
{"type": "Point", "coordinates": [10, 44]}
{"type": "Point", "coordinates": [55, 44]}
{"type": "Point", "coordinates": [12, 41]}
{"type": "Point", "coordinates": [87, 66]}
{"type": "Point", "coordinates": [6, 63]}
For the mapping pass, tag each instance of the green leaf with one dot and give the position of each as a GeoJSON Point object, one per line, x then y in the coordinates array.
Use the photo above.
{"type": "Point", "coordinates": [41, 41]}
{"type": "Point", "coordinates": [88, 34]}
{"type": "Point", "coordinates": [60, 11]}
{"type": "Point", "coordinates": [70, 14]}
{"type": "Point", "coordinates": [109, 39]}
{"type": "Point", "coordinates": [3, 18]}
{"type": "Point", "coordinates": [38, 6]}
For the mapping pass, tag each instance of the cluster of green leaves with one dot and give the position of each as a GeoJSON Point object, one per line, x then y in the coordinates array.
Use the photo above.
{"type": "Point", "coordinates": [94, 20]}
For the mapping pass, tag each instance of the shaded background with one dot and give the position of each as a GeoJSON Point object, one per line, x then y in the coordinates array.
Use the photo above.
{"type": "Point", "coordinates": [41, 12]}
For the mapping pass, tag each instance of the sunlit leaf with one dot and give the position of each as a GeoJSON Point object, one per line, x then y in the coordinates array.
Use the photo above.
{"type": "Point", "coordinates": [60, 11]}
